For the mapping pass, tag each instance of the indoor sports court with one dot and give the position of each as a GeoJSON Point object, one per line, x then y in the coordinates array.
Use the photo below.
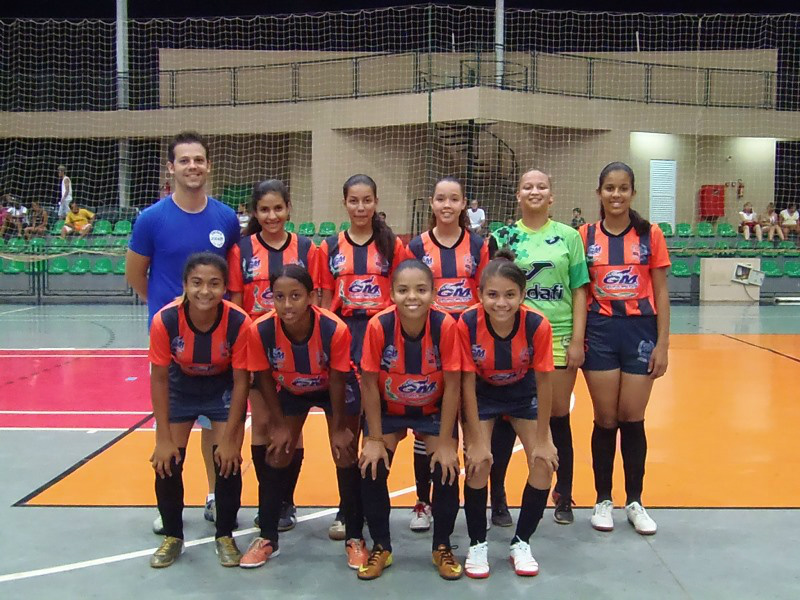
{"type": "Point", "coordinates": [704, 109]}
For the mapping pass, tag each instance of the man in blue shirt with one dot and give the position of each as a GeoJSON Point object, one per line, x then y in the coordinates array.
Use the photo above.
{"type": "Point", "coordinates": [164, 236]}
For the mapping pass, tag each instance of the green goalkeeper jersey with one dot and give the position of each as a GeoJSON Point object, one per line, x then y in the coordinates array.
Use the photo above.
{"type": "Point", "coordinates": [554, 264]}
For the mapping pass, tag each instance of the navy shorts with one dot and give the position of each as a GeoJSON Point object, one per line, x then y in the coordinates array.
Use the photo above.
{"type": "Point", "coordinates": [489, 409]}
{"type": "Point", "coordinates": [624, 343]}
{"type": "Point", "coordinates": [295, 405]}
{"type": "Point", "coordinates": [426, 425]}
{"type": "Point", "coordinates": [358, 331]}
{"type": "Point", "coordinates": [184, 408]}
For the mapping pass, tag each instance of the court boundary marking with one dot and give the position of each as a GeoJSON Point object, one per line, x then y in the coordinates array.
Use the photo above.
{"type": "Point", "coordinates": [767, 348]}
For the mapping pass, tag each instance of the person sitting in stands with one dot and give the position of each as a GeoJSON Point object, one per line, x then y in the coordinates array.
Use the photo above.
{"type": "Point", "coordinates": [748, 222]}
{"type": "Point", "coordinates": [78, 220]}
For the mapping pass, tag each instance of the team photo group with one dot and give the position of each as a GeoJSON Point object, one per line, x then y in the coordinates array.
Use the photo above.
{"type": "Point", "coordinates": [466, 341]}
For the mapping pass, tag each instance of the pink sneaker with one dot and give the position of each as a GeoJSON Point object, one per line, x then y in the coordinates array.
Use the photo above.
{"type": "Point", "coordinates": [259, 552]}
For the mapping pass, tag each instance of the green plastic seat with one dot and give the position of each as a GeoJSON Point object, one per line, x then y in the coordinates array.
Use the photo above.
{"type": "Point", "coordinates": [344, 226]}
{"type": "Point", "coordinates": [102, 227]}
{"type": "Point", "coordinates": [2, 244]}
{"type": "Point", "coordinates": [102, 266]}
{"type": "Point", "coordinates": [36, 245]}
{"type": "Point", "coordinates": [789, 248]}
{"type": "Point", "coordinates": [57, 266]}
{"type": "Point", "coordinates": [705, 229]}
{"type": "Point", "coordinates": [680, 268]}
{"type": "Point", "coordinates": [327, 229]}
{"type": "Point", "coordinates": [288, 226]}
{"type": "Point", "coordinates": [722, 248]}
{"type": "Point", "coordinates": [99, 243]}
{"type": "Point", "coordinates": [678, 247]}
{"type": "Point", "coordinates": [307, 229]}
{"type": "Point", "coordinates": [80, 266]}
{"type": "Point", "coordinates": [119, 267]}
{"type": "Point", "coordinates": [56, 245]}
{"type": "Point", "coordinates": [55, 228]}
{"type": "Point", "coordinates": [695, 268]}
{"type": "Point", "coordinates": [15, 267]}
{"type": "Point", "coordinates": [792, 268]}
{"type": "Point", "coordinates": [746, 249]}
{"type": "Point", "coordinates": [15, 246]}
{"type": "Point", "coordinates": [771, 268]}
{"type": "Point", "coordinates": [766, 248]}
{"type": "Point", "coordinates": [684, 230]}
{"type": "Point", "coordinates": [122, 228]}
{"type": "Point", "coordinates": [666, 229]}
{"type": "Point", "coordinates": [494, 226]}
{"type": "Point", "coordinates": [79, 243]}
{"type": "Point", "coordinates": [726, 230]}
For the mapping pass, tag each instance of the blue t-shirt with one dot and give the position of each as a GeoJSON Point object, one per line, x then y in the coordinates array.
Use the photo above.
{"type": "Point", "coordinates": [168, 235]}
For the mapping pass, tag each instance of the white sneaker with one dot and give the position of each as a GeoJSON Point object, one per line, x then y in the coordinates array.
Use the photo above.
{"type": "Point", "coordinates": [602, 518]}
{"type": "Point", "coordinates": [477, 564]}
{"type": "Point", "coordinates": [158, 526]}
{"type": "Point", "coordinates": [421, 518]}
{"type": "Point", "coordinates": [519, 554]}
{"type": "Point", "coordinates": [641, 521]}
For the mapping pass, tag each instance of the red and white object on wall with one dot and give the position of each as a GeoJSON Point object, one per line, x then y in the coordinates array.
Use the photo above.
{"type": "Point", "coordinates": [711, 202]}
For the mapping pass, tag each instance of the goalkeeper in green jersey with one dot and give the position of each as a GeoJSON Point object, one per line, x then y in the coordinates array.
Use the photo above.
{"type": "Point", "coordinates": [552, 257]}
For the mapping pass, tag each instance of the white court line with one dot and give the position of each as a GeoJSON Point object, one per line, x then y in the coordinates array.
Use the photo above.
{"type": "Point", "coordinates": [8, 312]}
{"type": "Point", "coordinates": [71, 348]}
{"type": "Point", "coordinates": [74, 412]}
{"type": "Point", "coordinates": [83, 429]}
{"type": "Point", "coordinates": [93, 356]}
{"type": "Point", "coordinates": [106, 560]}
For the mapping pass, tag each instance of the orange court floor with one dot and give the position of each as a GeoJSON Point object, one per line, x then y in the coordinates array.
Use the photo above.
{"type": "Point", "coordinates": [721, 428]}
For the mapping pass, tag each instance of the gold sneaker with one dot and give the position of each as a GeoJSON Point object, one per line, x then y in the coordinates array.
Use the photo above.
{"type": "Point", "coordinates": [226, 549]}
{"type": "Point", "coordinates": [446, 563]}
{"type": "Point", "coordinates": [171, 548]}
{"type": "Point", "coordinates": [379, 559]}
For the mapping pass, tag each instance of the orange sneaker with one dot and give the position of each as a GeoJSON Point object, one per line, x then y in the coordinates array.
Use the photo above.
{"type": "Point", "coordinates": [448, 565]}
{"type": "Point", "coordinates": [259, 552]}
{"type": "Point", "coordinates": [378, 560]}
{"type": "Point", "coordinates": [356, 553]}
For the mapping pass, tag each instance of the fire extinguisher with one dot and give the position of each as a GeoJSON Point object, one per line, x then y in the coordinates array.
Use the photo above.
{"type": "Point", "coordinates": [739, 189]}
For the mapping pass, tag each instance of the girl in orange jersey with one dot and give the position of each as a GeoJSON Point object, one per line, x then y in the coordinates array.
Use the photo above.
{"type": "Point", "coordinates": [411, 380]}
{"type": "Point", "coordinates": [508, 372]}
{"type": "Point", "coordinates": [627, 336]}
{"type": "Point", "coordinates": [299, 353]}
{"type": "Point", "coordinates": [355, 270]}
{"type": "Point", "coordinates": [263, 249]}
{"type": "Point", "coordinates": [198, 353]}
{"type": "Point", "coordinates": [456, 256]}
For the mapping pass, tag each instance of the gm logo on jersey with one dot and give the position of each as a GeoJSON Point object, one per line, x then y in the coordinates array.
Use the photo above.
{"type": "Point", "coordinates": [364, 288]}
{"type": "Point", "coordinates": [478, 353]}
{"type": "Point", "coordinates": [428, 260]}
{"type": "Point", "coordinates": [276, 357]}
{"type": "Point", "coordinates": [593, 251]}
{"type": "Point", "coordinates": [455, 289]}
{"type": "Point", "coordinates": [177, 345]}
{"type": "Point", "coordinates": [308, 382]}
{"type": "Point", "coordinates": [640, 252]}
{"type": "Point", "coordinates": [389, 357]}
{"type": "Point", "coordinates": [417, 388]}
{"type": "Point", "coordinates": [621, 278]}
{"type": "Point", "coordinates": [337, 261]}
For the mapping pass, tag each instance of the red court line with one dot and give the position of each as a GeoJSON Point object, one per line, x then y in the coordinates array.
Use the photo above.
{"type": "Point", "coordinates": [73, 351]}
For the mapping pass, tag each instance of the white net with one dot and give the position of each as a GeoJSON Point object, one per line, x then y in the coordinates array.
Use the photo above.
{"type": "Point", "coordinates": [408, 95]}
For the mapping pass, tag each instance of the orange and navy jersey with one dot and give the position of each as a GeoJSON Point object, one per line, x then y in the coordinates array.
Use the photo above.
{"type": "Point", "coordinates": [411, 371]}
{"type": "Point", "coordinates": [200, 363]}
{"type": "Point", "coordinates": [358, 274]}
{"type": "Point", "coordinates": [456, 270]}
{"type": "Point", "coordinates": [300, 367]}
{"type": "Point", "coordinates": [619, 269]}
{"type": "Point", "coordinates": [504, 365]}
{"type": "Point", "coordinates": [251, 260]}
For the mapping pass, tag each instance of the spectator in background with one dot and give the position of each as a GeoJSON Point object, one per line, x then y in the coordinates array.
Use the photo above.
{"type": "Point", "coordinates": [477, 218]}
{"type": "Point", "coordinates": [748, 222]}
{"type": "Point", "coordinates": [790, 219]}
{"type": "Point", "coordinates": [16, 215]}
{"type": "Point", "coordinates": [509, 221]}
{"type": "Point", "coordinates": [4, 200]}
{"type": "Point", "coordinates": [66, 192]}
{"type": "Point", "coordinates": [78, 220]}
{"type": "Point", "coordinates": [770, 222]}
{"type": "Point", "coordinates": [577, 218]}
{"type": "Point", "coordinates": [244, 217]}
{"type": "Point", "coordinates": [37, 221]}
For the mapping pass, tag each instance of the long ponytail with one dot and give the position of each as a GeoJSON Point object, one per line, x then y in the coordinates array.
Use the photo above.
{"type": "Point", "coordinates": [382, 234]}
{"type": "Point", "coordinates": [640, 224]}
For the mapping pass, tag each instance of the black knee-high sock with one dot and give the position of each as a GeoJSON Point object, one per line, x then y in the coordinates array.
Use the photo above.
{"type": "Point", "coordinates": [562, 438]}
{"type": "Point", "coordinates": [633, 443]}
{"type": "Point", "coordinates": [294, 473]}
{"type": "Point", "coordinates": [228, 494]}
{"type": "Point", "coordinates": [475, 511]}
{"type": "Point", "coordinates": [259, 454]}
{"type": "Point", "coordinates": [503, 438]}
{"type": "Point", "coordinates": [533, 502]}
{"type": "Point", "coordinates": [272, 484]}
{"type": "Point", "coordinates": [604, 447]}
{"type": "Point", "coordinates": [422, 472]}
{"type": "Point", "coordinates": [349, 480]}
{"type": "Point", "coordinates": [169, 495]}
{"type": "Point", "coordinates": [375, 499]}
{"type": "Point", "coordinates": [444, 508]}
